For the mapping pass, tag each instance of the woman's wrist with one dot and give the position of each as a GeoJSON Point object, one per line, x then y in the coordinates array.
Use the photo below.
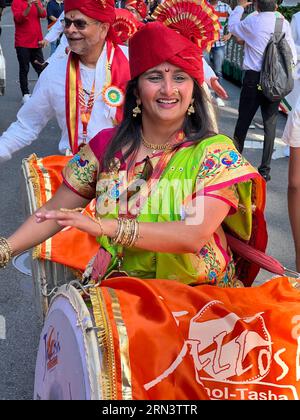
{"type": "Point", "coordinates": [110, 227]}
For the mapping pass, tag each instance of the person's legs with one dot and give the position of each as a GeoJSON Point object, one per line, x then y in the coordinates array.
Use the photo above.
{"type": "Point", "coordinates": [36, 59]}
{"type": "Point", "coordinates": [294, 199]}
{"type": "Point", "coordinates": [23, 55]}
{"type": "Point", "coordinates": [269, 111]}
{"type": "Point", "coordinates": [249, 102]}
{"type": "Point", "coordinates": [218, 54]}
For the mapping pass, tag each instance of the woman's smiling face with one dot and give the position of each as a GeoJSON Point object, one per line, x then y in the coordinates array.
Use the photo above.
{"type": "Point", "coordinates": [165, 92]}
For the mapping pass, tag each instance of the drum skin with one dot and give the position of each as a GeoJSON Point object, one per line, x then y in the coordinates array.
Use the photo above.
{"type": "Point", "coordinates": [68, 363]}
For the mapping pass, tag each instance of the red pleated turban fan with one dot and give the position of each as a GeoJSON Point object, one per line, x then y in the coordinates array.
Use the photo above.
{"type": "Point", "coordinates": [182, 31]}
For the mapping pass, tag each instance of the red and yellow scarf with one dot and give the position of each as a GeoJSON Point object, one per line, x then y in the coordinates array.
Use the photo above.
{"type": "Point", "coordinates": [113, 91]}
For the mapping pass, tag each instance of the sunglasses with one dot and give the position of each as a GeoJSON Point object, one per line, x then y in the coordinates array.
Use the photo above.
{"type": "Point", "coordinates": [79, 24]}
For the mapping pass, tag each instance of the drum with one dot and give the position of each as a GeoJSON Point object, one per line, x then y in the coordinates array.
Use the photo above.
{"type": "Point", "coordinates": [40, 179]}
{"type": "Point", "coordinates": [134, 339]}
{"type": "Point", "coordinates": [69, 362]}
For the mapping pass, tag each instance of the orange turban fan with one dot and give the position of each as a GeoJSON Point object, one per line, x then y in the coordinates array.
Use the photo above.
{"type": "Point", "coordinates": [102, 10]}
{"type": "Point", "coordinates": [155, 43]}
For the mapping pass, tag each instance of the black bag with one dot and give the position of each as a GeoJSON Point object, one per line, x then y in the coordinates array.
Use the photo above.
{"type": "Point", "coordinates": [276, 79]}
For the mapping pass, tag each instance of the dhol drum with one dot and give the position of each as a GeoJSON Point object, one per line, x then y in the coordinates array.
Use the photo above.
{"type": "Point", "coordinates": [133, 339]}
{"type": "Point", "coordinates": [47, 275]}
{"type": "Point", "coordinates": [63, 257]}
{"type": "Point", "coordinates": [69, 362]}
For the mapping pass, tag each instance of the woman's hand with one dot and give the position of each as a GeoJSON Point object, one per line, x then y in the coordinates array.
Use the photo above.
{"type": "Point", "coordinates": [71, 218]}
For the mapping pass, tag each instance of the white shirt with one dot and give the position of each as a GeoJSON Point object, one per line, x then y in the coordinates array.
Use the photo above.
{"type": "Point", "coordinates": [48, 101]}
{"type": "Point", "coordinates": [291, 134]}
{"type": "Point", "coordinates": [56, 30]}
{"type": "Point", "coordinates": [256, 30]}
{"type": "Point", "coordinates": [295, 28]}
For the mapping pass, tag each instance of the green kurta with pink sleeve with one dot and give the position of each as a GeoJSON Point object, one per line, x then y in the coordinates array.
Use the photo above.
{"type": "Point", "coordinates": [212, 167]}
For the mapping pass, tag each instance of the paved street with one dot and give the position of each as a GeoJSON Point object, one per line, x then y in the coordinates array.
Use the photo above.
{"type": "Point", "coordinates": [19, 323]}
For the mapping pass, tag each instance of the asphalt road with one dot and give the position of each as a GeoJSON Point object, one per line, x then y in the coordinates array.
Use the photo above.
{"type": "Point", "coordinates": [20, 325]}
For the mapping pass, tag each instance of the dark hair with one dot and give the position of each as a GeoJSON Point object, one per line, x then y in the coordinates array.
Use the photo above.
{"type": "Point", "coordinates": [266, 5]}
{"type": "Point", "coordinates": [196, 126]}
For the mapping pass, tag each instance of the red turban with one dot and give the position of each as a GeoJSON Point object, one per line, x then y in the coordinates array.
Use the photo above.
{"type": "Point", "coordinates": [155, 43]}
{"type": "Point", "coordinates": [138, 5]}
{"type": "Point", "coordinates": [102, 10]}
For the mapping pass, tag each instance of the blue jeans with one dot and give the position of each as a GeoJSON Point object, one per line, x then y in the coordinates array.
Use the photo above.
{"type": "Point", "coordinates": [216, 57]}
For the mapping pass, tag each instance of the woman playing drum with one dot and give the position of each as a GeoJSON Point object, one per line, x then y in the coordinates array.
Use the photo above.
{"type": "Point", "coordinates": [164, 182]}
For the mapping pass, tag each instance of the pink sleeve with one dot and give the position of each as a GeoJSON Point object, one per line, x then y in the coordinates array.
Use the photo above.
{"type": "Point", "coordinates": [82, 172]}
{"type": "Point", "coordinates": [100, 142]}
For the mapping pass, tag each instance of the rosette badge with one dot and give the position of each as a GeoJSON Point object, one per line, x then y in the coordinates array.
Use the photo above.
{"type": "Point", "coordinates": [113, 96]}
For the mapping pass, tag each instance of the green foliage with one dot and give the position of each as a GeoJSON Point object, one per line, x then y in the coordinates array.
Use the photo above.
{"type": "Point", "coordinates": [288, 12]}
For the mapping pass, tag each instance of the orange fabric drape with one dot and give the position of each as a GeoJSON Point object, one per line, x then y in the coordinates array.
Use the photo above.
{"type": "Point", "coordinates": [203, 342]}
{"type": "Point", "coordinates": [70, 247]}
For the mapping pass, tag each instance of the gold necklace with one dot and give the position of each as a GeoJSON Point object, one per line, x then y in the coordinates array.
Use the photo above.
{"type": "Point", "coordinates": [155, 147]}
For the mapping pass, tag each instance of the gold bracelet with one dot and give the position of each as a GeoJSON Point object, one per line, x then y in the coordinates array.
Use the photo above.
{"type": "Point", "coordinates": [76, 210]}
{"type": "Point", "coordinates": [127, 232]}
{"type": "Point", "coordinates": [122, 233]}
{"type": "Point", "coordinates": [99, 222]}
{"type": "Point", "coordinates": [5, 252]}
{"type": "Point", "coordinates": [132, 233]}
{"type": "Point", "coordinates": [115, 238]}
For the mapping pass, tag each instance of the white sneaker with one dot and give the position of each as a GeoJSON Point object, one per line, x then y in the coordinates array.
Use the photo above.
{"type": "Point", "coordinates": [220, 102]}
{"type": "Point", "coordinates": [26, 97]}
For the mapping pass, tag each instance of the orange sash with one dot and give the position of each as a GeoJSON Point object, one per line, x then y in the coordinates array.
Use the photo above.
{"type": "Point", "coordinates": [70, 247]}
{"type": "Point", "coordinates": [166, 340]}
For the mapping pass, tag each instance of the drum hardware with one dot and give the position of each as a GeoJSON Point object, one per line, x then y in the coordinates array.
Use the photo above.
{"type": "Point", "coordinates": [82, 287]}
{"type": "Point", "coordinates": [52, 292]}
{"type": "Point", "coordinates": [293, 273]}
{"type": "Point", "coordinates": [89, 329]}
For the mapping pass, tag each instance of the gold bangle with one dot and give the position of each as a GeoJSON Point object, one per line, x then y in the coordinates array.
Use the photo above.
{"type": "Point", "coordinates": [5, 252]}
{"type": "Point", "coordinates": [99, 222]}
{"type": "Point", "coordinates": [76, 210]}
{"type": "Point", "coordinates": [120, 232]}
{"type": "Point", "coordinates": [127, 234]}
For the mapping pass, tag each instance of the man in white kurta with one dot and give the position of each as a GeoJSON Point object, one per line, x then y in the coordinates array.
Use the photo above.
{"type": "Point", "coordinates": [49, 97]}
{"type": "Point", "coordinates": [48, 101]}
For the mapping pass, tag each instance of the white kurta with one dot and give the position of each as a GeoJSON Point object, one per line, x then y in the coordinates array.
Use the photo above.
{"type": "Point", "coordinates": [55, 32]}
{"type": "Point", "coordinates": [48, 101]}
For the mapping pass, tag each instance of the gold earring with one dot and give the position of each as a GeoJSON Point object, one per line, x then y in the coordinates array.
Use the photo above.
{"type": "Point", "coordinates": [137, 110]}
{"type": "Point", "coordinates": [191, 109]}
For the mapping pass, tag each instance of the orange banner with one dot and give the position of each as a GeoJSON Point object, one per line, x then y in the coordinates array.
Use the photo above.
{"type": "Point", "coordinates": [172, 341]}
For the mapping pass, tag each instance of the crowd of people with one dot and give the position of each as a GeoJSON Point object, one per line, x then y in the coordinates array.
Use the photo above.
{"type": "Point", "coordinates": [136, 119]}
